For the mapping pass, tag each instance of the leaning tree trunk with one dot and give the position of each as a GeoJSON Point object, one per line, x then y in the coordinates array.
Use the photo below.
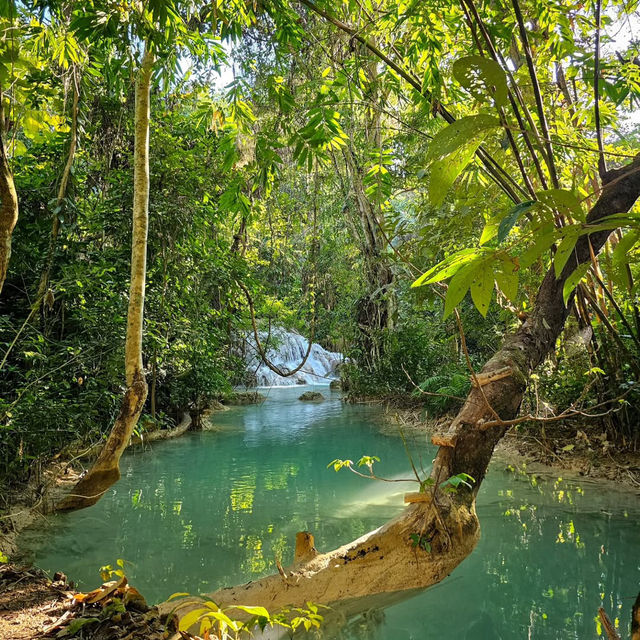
{"type": "Point", "coordinates": [387, 560]}
{"type": "Point", "coordinates": [106, 469]}
{"type": "Point", "coordinates": [8, 204]}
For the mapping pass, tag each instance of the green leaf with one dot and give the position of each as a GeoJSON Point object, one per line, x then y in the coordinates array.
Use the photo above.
{"type": "Point", "coordinates": [482, 288]}
{"type": "Point", "coordinates": [459, 134]}
{"type": "Point", "coordinates": [458, 287]}
{"type": "Point", "coordinates": [368, 461]}
{"type": "Point", "coordinates": [564, 201]}
{"type": "Point", "coordinates": [75, 626]}
{"type": "Point", "coordinates": [444, 172]}
{"type": "Point", "coordinates": [253, 611]}
{"type": "Point", "coordinates": [572, 281]}
{"type": "Point", "coordinates": [189, 619]}
{"type": "Point", "coordinates": [446, 267]}
{"type": "Point", "coordinates": [223, 618]}
{"type": "Point", "coordinates": [483, 78]}
{"type": "Point", "coordinates": [620, 257]}
{"type": "Point", "coordinates": [489, 231]}
{"type": "Point", "coordinates": [564, 251]}
{"type": "Point", "coordinates": [511, 218]}
{"type": "Point", "coordinates": [506, 275]}
{"type": "Point", "coordinates": [338, 464]}
{"type": "Point", "coordinates": [544, 239]}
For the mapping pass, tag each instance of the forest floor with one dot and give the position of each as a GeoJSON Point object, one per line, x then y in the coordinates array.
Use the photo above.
{"type": "Point", "coordinates": [34, 606]}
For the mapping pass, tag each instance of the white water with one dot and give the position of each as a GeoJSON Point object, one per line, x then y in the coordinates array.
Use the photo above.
{"type": "Point", "coordinates": [286, 349]}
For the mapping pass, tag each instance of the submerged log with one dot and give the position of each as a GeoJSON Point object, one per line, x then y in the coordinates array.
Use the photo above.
{"type": "Point", "coordinates": [427, 541]}
{"type": "Point", "coordinates": [609, 629]}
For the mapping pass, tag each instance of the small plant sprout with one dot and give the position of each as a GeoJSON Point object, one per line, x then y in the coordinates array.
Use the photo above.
{"type": "Point", "coordinates": [216, 623]}
{"type": "Point", "coordinates": [107, 571]}
{"type": "Point", "coordinates": [454, 482]}
{"type": "Point", "coordinates": [419, 541]}
{"type": "Point", "coordinates": [338, 464]}
{"type": "Point", "coordinates": [368, 462]}
{"type": "Point", "coordinates": [450, 485]}
{"type": "Point", "coordinates": [365, 461]}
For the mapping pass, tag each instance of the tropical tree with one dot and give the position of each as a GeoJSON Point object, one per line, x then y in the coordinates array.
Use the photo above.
{"type": "Point", "coordinates": [159, 30]}
{"type": "Point", "coordinates": [526, 128]}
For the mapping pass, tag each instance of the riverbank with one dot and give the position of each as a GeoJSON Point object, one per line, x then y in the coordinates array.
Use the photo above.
{"type": "Point", "coordinates": [250, 476]}
{"type": "Point", "coordinates": [580, 449]}
{"type": "Point", "coordinates": [34, 606]}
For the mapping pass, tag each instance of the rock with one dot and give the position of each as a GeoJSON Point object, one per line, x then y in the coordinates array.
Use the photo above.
{"type": "Point", "coordinates": [311, 396]}
{"type": "Point", "coordinates": [335, 385]}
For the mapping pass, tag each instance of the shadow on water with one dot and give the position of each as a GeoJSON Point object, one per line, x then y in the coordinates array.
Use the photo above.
{"type": "Point", "coordinates": [216, 508]}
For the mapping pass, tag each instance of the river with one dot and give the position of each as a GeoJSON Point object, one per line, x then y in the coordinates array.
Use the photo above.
{"type": "Point", "coordinates": [215, 508]}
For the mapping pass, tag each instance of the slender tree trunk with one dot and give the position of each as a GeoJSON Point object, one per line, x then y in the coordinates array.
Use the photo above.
{"type": "Point", "coordinates": [8, 204]}
{"type": "Point", "coordinates": [62, 192]}
{"type": "Point", "coordinates": [387, 561]}
{"type": "Point", "coordinates": [106, 471]}
{"type": "Point", "coordinates": [375, 308]}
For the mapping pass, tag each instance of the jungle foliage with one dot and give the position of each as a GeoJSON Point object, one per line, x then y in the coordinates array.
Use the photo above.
{"type": "Point", "coordinates": [351, 150]}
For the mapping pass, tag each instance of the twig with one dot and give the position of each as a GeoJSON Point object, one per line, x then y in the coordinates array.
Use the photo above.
{"type": "Point", "coordinates": [602, 165]}
{"type": "Point", "coordinates": [567, 413]}
{"type": "Point", "coordinates": [536, 92]}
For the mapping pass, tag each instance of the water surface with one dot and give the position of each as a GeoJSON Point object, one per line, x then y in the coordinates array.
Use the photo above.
{"type": "Point", "coordinates": [215, 508]}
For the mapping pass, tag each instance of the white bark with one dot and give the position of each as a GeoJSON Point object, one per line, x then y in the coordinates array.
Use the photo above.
{"type": "Point", "coordinates": [106, 470]}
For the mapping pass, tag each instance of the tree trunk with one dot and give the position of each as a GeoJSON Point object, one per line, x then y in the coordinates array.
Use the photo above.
{"type": "Point", "coordinates": [387, 560]}
{"type": "Point", "coordinates": [635, 620]}
{"type": "Point", "coordinates": [9, 202]}
{"type": "Point", "coordinates": [62, 191]}
{"type": "Point", "coordinates": [375, 308]}
{"type": "Point", "coordinates": [106, 470]}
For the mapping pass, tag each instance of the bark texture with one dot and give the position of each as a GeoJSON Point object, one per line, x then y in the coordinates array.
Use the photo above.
{"type": "Point", "coordinates": [469, 444]}
{"type": "Point", "coordinates": [8, 205]}
{"type": "Point", "coordinates": [106, 469]}
{"type": "Point", "coordinates": [387, 560]}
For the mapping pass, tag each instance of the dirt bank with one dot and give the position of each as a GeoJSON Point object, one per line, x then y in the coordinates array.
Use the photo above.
{"type": "Point", "coordinates": [34, 606]}
{"type": "Point", "coordinates": [581, 448]}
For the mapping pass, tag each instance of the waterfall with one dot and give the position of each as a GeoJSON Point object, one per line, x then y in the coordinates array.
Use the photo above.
{"type": "Point", "coordinates": [286, 349]}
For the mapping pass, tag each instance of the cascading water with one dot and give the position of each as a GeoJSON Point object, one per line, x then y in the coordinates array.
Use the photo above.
{"type": "Point", "coordinates": [286, 349]}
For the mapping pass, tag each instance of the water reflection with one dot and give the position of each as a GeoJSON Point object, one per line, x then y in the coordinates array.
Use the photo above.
{"type": "Point", "coordinates": [213, 509]}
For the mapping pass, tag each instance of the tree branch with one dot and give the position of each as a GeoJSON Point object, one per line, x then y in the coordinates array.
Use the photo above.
{"type": "Point", "coordinates": [602, 165]}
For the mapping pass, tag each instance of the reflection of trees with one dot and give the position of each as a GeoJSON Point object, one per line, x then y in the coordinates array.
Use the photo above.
{"type": "Point", "coordinates": [545, 564]}
{"type": "Point", "coordinates": [227, 531]}
{"type": "Point", "coordinates": [550, 553]}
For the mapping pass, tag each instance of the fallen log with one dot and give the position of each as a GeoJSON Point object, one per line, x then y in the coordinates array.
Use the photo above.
{"type": "Point", "coordinates": [164, 434]}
